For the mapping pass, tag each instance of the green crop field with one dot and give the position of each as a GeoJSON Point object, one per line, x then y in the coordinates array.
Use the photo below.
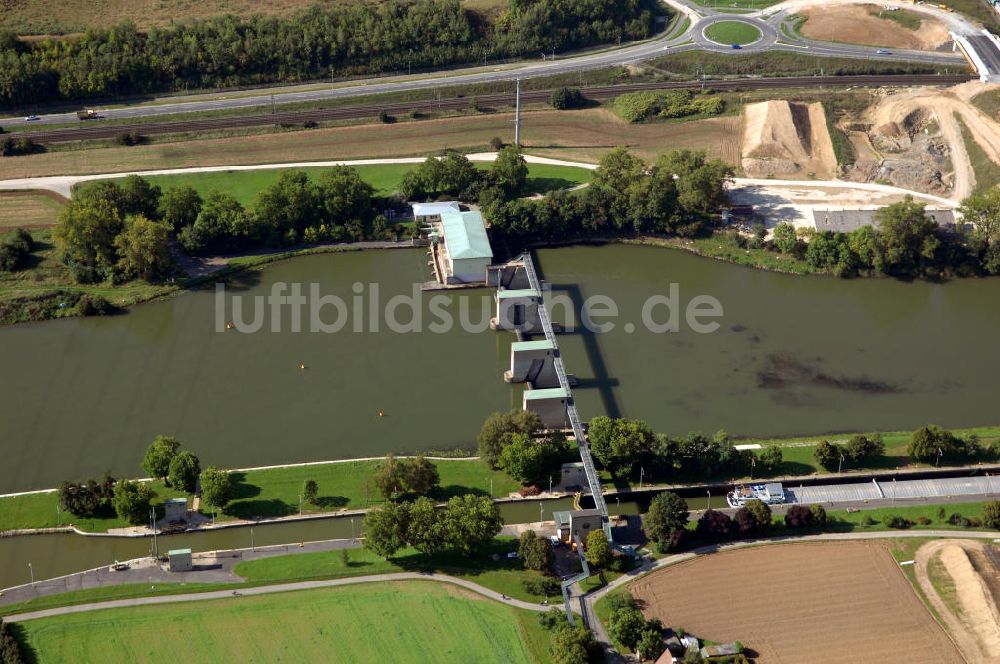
{"type": "Point", "coordinates": [396, 622]}
{"type": "Point", "coordinates": [732, 32]}
{"type": "Point", "coordinates": [385, 178]}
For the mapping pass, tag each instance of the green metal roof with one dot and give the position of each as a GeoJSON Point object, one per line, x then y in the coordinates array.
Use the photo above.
{"type": "Point", "coordinates": [465, 235]}
{"type": "Point", "coordinates": [549, 393]}
{"type": "Point", "coordinates": [540, 344]}
{"type": "Point", "coordinates": [179, 552]}
{"type": "Point", "coordinates": [517, 292]}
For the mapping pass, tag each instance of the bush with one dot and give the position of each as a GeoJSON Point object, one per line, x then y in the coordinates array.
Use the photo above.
{"type": "Point", "coordinates": [566, 98]}
{"type": "Point", "coordinates": [129, 138]}
{"type": "Point", "coordinates": [10, 651]}
{"type": "Point", "coordinates": [895, 521]}
{"type": "Point", "coordinates": [639, 106]}
{"type": "Point", "coordinates": [868, 521]}
{"type": "Point", "coordinates": [546, 586]}
{"type": "Point", "coordinates": [94, 305]}
{"type": "Point", "coordinates": [957, 519]}
{"type": "Point", "coordinates": [798, 516]}
{"type": "Point", "coordinates": [819, 517]}
{"type": "Point", "coordinates": [923, 521]}
{"type": "Point", "coordinates": [715, 526]}
{"type": "Point", "coordinates": [310, 124]}
{"type": "Point", "coordinates": [991, 514]}
{"type": "Point", "coordinates": [496, 144]}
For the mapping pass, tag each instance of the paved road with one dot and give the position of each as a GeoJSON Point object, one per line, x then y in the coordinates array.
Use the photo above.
{"type": "Point", "coordinates": [590, 599]}
{"type": "Point", "coordinates": [768, 21]}
{"type": "Point", "coordinates": [280, 588]}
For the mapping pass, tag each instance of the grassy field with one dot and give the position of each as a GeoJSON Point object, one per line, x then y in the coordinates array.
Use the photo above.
{"type": "Point", "coordinates": [272, 493]}
{"type": "Point", "coordinates": [503, 575]}
{"type": "Point", "coordinates": [986, 171]}
{"type": "Point", "coordinates": [582, 134]}
{"type": "Point", "coordinates": [385, 178]}
{"type": "Point", "coordinates": [398, 622]}
{"type": "Point", "coordinates": [732, 32]}
{"type": "Point", "coordinates": [29, 209]}
{"type": "Point", "coordinates": [32, 17]}
{"type": "Point", "coordinates": [907, 19]}
{"type": "Point", "coordinates": [988, 102]}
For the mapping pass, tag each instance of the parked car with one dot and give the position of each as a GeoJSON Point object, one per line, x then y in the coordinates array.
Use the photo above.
{"type": "Point", "coordinates": [883, 51]}
{"type": "Point", "coordinates": [736, 47]}
{"type": "Point", "coordinates": [31, 118]}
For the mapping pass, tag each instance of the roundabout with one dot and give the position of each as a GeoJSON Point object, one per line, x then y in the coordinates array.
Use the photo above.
{"type": "Point", "coordinates": [733, 33]}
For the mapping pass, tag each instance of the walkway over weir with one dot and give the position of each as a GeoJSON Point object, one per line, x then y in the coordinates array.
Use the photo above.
{"type": "Point", "coordinates": [572, 415]}
{"type": "Point", "coordinates": [526, 264]}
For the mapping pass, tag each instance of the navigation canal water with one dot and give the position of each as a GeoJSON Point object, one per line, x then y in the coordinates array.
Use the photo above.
{"type": "Point", "coordinates": [792, 355]}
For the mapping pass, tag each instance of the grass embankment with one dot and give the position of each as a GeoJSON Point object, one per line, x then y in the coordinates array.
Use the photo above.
{"type": "Point", "coordinates": [732, 32]}
{"type": "Point", "coordinates": [780, 63]}
{"type": "Point", "coordinates": [273, 493]}
{"type": "Point", "coordinates": [385, 178]}
{"type": "Point", "coordinates": [503, 575]}
{"type": "Point", "coordinates": [988, 102]}
{"type": "Point", "coordinates": [722, 247]}
{"type": "Point", "coordinates": [798, 459]}
{"type": "Point", "coordinates": [986, 171]}
{"type": "Point", "coordinates": [402, 622]}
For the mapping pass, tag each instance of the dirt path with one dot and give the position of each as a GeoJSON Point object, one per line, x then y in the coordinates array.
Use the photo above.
{"type": "Point", "coordinates": [976, 631]}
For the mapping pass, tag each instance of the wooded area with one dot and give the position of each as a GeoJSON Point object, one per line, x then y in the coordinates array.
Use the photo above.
{"type": "Point", "coordinates": [355, 39]}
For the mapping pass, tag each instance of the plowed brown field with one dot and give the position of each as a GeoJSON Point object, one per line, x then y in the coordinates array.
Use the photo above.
{"type": "Point", "coordinates": [809, 602]}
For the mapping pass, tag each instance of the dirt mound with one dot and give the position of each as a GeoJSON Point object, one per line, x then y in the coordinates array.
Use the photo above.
{"type": "Point", "coordinates": [971, 615]}
{"type": "Point", "coordinates": [783, 138]}
{"type": "Point", "coordinates": [868, 25]}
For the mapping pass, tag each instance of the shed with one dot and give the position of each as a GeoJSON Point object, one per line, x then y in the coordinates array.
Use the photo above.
{"type": "Point", "coordinates": [179, 560]}
{"type": "Point", "coordinates": [466, 245]}
{"type": "Point", "coordinates": [175, 509]}
{"type": "Point", "coordinates": [721, 650]}
{"type": "Point", "coordinates": [433, 211]}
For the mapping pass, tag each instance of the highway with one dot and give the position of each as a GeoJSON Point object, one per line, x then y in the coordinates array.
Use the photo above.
{"type": "Point", "coordinates": [770, 22]}
{"type": "Point", "coordinates": [97, 130]}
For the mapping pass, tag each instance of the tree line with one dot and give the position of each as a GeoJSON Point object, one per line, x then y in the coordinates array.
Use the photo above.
{"type": "Point", "coordinates": [465, 524]}
{"type": "Point", "coordinates": [905, 242]}
{"type": "Point", "coordinates": [350, 39]}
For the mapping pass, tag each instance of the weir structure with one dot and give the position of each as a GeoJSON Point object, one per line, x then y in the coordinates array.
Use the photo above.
{"type": "Point", "coordinates": [520, 308]}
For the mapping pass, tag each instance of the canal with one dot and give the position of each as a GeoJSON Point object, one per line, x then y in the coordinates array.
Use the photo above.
{"type": "Point", "coordinates": [64, 553]}
{"type": "Point", "coordinates": [792, 355]}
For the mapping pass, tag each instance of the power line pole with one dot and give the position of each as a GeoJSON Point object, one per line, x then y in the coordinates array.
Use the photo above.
{"type": "Point", "coordinates": [517, 115]}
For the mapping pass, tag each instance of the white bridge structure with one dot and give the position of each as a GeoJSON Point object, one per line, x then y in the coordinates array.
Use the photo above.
{"type": "Point", "coordinates": [982, 50]}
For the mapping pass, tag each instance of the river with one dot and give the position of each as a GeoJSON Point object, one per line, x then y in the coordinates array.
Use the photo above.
{"type": "Point", "coordinates": [792, 355]}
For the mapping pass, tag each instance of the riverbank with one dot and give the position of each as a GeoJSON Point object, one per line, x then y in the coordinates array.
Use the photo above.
{"type": "Point", "coordinates": [271, 494]}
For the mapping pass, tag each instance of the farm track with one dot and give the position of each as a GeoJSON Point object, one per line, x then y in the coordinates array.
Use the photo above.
{"type": "Point", "coordinates": [596, 93]}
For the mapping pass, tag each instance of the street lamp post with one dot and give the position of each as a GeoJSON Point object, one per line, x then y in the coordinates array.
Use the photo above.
{"type": "Point", "coordinates": [352, 530]}
{"type": "Point", "coordinates": [753, 464]}
{"type": "Point", "coordinates": [541, 512]}
{"type": "Point", "coordinates": [252, 546]}
{"type": "Point", "coordinates": [709, 492]}
{"type": "Point", "coordinates": [31, 570]}
{"type": "Point", "coordinates": [938, 461]}
{"type": "Point", "coordinates": [642, 471]}
{"type": "Point", "coordinates": [840, 464]}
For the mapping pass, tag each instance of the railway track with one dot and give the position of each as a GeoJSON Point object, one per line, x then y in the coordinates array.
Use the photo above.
{"type": "Point", "coordinates": [93, 129]}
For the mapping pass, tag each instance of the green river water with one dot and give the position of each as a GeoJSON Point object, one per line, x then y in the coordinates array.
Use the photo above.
{"type": "Point", "coordinates": [791, 355]}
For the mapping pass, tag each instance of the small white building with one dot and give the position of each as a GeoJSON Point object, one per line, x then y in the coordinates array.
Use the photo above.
{"type": "Point", "coordinates": [433, 211]}
{"type": "Point", "coordinates": [466, 251]}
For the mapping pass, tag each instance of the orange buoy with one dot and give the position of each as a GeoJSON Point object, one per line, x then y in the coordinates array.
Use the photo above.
{"type": "Point", "coordinates": [302, 365]}
{"type": "Point", "coordinates": [229, 326]}
{"type": "Point", "coordinates": [381, 413]}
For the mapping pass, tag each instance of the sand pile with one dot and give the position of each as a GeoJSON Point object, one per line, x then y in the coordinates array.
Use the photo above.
{"type": "Point", "coordinates": [978, 609]}
{"type": "Point", "coordinates": [786, 139]}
